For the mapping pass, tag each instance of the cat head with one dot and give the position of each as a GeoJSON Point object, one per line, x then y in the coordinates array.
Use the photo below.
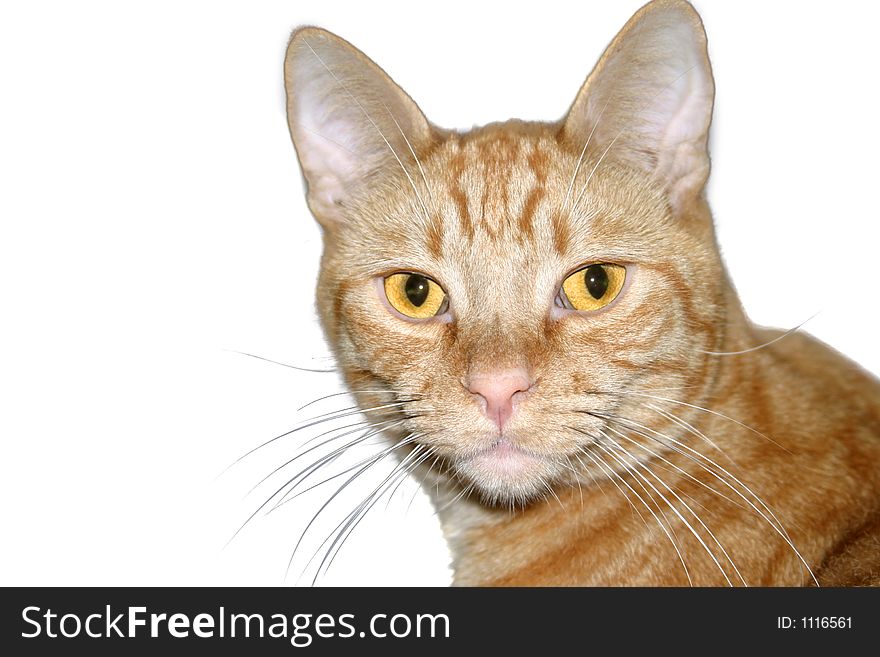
{"type": "Point", "coordinates": [496, 294]}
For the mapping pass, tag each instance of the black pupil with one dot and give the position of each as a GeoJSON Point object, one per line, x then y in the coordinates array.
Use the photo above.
{"type": "Point", "coordinates": [596, 280]}
{"type": "Point", "coordinates": [416, 288]}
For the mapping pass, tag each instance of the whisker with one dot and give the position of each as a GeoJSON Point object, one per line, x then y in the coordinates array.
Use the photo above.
{"type": "Point", "coordinates": [659, 509]}
{"type": "Point", "coordinates": [271, 497]}
{"type": "Point", "coordinates": [674, 444]}
{"type": "Point", "coordinates": [465, 490]}
{"type": "Point", "coordinates": [689, 427]}
{"type": "Point", "coordinates": [371, 431]}
{"type": "Point", "coordinates": [707, 410]}
{"type": "Point", "coordinates": [421, 485]}
{"type": "Point", "coordinates": [335, 495]}
{"type": "Point", "coordinates": [761, 346]}
{"type": "Point", "coordinates": [431, 451]}
{"type": "Point", "coordinates": [610, 474]}
{"type": "Point", "coordinates": [396, 469]}
{"type": "Point", "coordinates": [577, 478]}
{"type": "Point", "coordinates": [326, 480]}
{"type": "Point", "coordinates": [553, 493]}
{"type": "Point", "coordinates": [352, 524]}
{"type": "Point", "coordinates": [359, 423]}
{"type": "Point", "coordinates": [676, 468]}
{"type": "Point", "coordinates": [344, 392]}
{"type": "Point", "coordinates": [638, 464]}
{"type": "Point", "coordinates": [671, 506]}
{"type": "Point", "coordinates": [320, 419]}
{"type": "Point", "coordinates": [593, 479]}
{"type": "Point", "coordinates": [775, 523]}
{"type": "Point", "coordinates": [277, 362]}
{"type": "Point", "coordinates": [300, 478]}
{"type": "Point", "coordinates": [600, 462]}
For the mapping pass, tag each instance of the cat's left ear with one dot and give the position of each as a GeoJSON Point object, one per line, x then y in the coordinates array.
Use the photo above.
{"type": "Point", "coordinates": [648, 102]}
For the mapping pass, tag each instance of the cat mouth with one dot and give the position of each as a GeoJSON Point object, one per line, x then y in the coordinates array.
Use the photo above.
{"type": "Point", "coordinates": [504, 469]}
{"type": "Point", "coordinates": [505, 453]}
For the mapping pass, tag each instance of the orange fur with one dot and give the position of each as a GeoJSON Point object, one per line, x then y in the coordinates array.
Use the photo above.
{"type": "Point", "coordinates": [711, 467]}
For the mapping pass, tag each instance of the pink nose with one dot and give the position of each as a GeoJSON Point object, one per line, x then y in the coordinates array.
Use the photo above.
{"type": "Point", "coordinates": [497, 390]}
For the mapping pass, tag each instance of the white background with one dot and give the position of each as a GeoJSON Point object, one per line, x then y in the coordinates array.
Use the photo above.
{"type": "Point", "coordinates": [153, 224]}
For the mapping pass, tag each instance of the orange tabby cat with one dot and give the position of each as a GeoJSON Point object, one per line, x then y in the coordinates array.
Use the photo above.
{"type": "Point", "coordinates": [539, 315]}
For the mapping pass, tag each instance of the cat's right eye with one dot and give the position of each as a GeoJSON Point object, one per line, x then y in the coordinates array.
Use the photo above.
{"type": "Point", "coordinates": [415, 295]}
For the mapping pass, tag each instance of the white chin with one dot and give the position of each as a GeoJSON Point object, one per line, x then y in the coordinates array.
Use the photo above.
{"type": "Point", "coordinates": [505, 474]}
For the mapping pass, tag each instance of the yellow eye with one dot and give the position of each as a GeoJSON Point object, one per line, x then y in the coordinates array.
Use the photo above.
{"type": "Point", "coordinates": [592, 287]}
{"type": "Point", "coordinates": [415, 295]}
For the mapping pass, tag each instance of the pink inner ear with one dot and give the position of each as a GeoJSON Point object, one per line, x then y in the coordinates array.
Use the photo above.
{"type": "Point", "coordinates": [650, 100]}
{"type": "Point", "coordinates": [347, 118]}
{"type": "Point", "coordinates": [682, 157]}
{"type": "Point", "coordinates": [326, 151]}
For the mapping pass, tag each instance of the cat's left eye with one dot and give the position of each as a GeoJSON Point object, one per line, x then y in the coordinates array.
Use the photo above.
{"type": "Point", "coordinates": [592, 287]}
{"type": "Point", "coordinates": [415, 295]}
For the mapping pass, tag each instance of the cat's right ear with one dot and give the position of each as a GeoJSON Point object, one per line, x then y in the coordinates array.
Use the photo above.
{"type": "Point", "coordinates": [349, 122]}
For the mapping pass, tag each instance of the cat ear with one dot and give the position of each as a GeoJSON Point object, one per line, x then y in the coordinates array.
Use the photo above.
{"type": "Point", "coordinates": [648, 102]}
{"type": "Point", "coordinates": [349, 121]}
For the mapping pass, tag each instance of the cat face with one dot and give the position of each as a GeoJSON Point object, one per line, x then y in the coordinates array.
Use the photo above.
{"type": "Point", "coordinates": [491, 296]}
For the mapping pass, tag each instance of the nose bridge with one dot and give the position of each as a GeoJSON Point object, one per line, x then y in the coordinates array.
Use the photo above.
{"type": "Point", "coordinates": [501, 329]}
{"type": "Point", "coordinates": [497, 345]}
